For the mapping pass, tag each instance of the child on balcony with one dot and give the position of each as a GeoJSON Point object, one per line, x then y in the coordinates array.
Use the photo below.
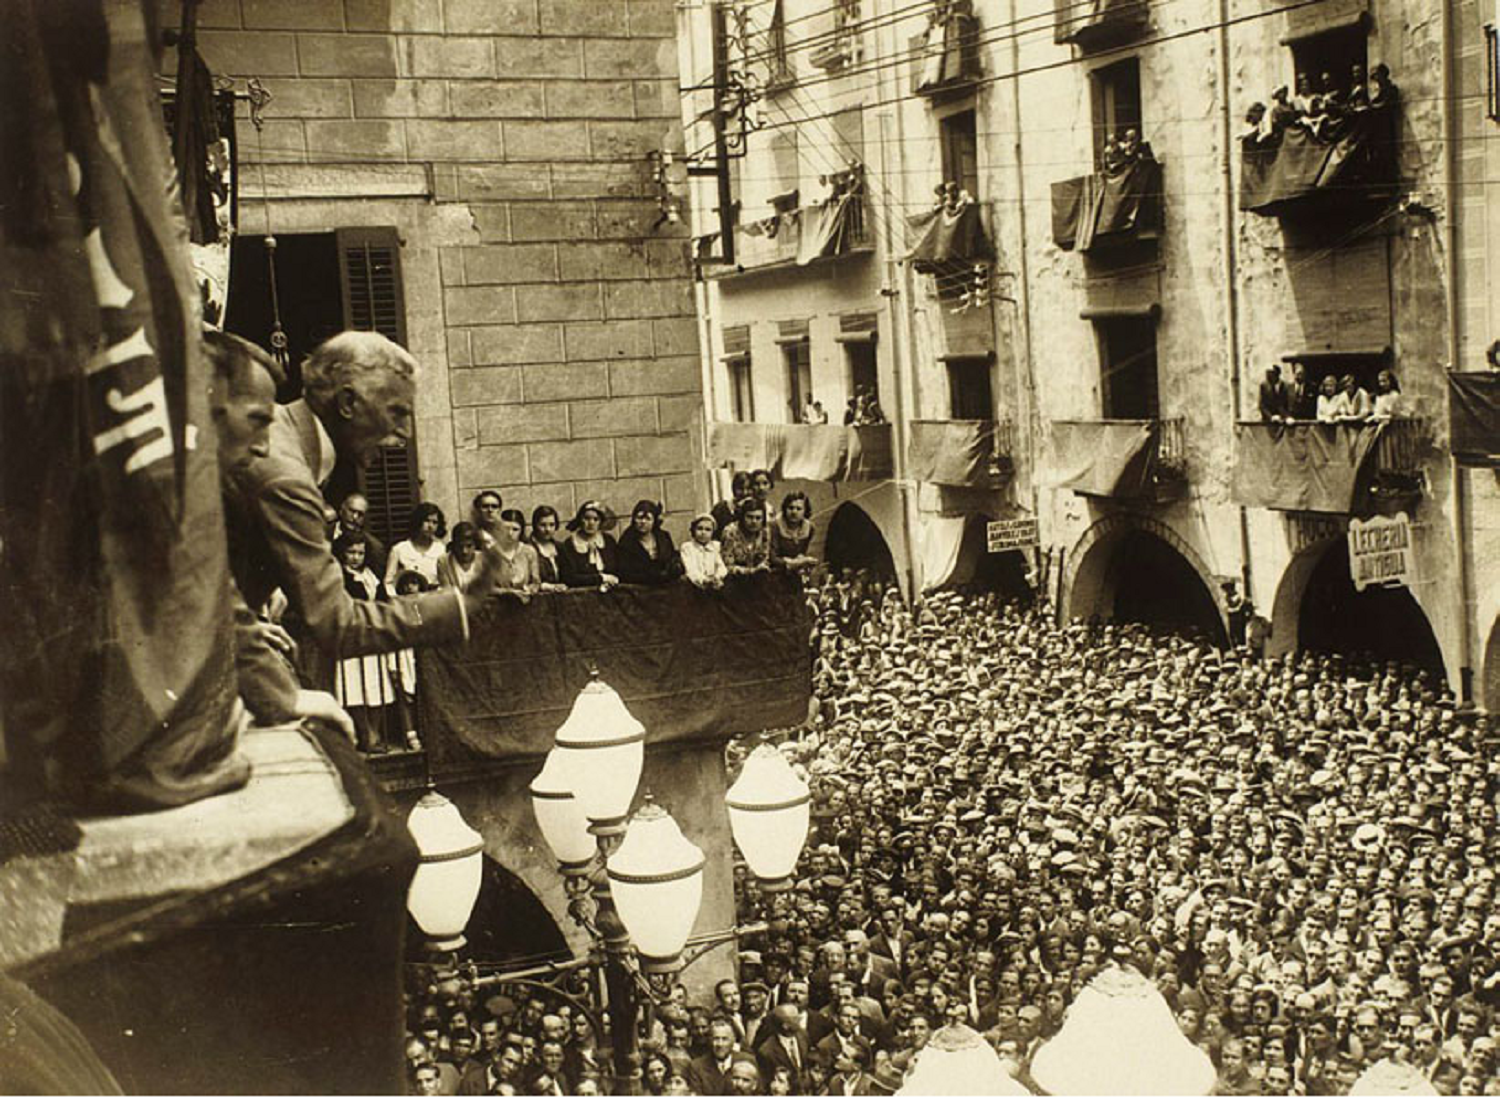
{"type": "Point", "coordinates": [701, 559]}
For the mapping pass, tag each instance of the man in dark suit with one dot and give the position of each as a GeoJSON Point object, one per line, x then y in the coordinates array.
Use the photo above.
{"type": "Point", "coordinates": [708, 1075]}
{"type": "Point", "coordinates": [870, 972]}
{"type": "Point", "coordinates": [788, 1047]}
{"type": "Point", "coordinates": [358, 393]}
{"type": "Point", "coordinates": [845, 1039]}
{"type": "Point", "coordinates": [1301, 396]}
{"type": "Point", "coordinates": [1274, 406]}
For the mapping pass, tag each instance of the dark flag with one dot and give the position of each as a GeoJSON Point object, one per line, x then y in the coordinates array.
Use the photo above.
{"type": "Point", "coordinates": [117, 661]}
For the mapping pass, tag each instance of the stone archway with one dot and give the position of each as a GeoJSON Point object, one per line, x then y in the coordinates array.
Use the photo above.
{"type": "Point", "coordinates": [1489, 675]}
{"type": "Point", "coordinates": [1129, 567]}
{"type": "Point", "coordinates": [855, 541]}
{"type": "Point", "coordinates": [509, 923]}
{"type": "Point", "coordinates": [1317, 607]}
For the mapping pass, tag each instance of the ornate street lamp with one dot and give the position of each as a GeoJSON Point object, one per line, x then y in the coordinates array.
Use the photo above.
{"type": "Point", "coordinates": [601, 748]}
{"type": "Point", "coordinates": [446, 885]}
{"type": "Point", "coordinates": [770, 810]}
{"type": "Point", "coordinates": [656, 880]}
{"type": "Point", "coordinates": [1120, 1039]}
{"type": "Point", "coordinates": [559, 815]}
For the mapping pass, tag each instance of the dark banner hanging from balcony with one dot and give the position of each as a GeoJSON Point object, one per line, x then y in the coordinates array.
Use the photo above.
{"type": "Point", "coordinates": [117, 667]}
{"type": "Point", "coordinates": [833, 453]}
{"type": "Point", "coordinates": [1116, 205]}
{"type": "Point", "coordinates": [958, 453]}
{"type": "Point", "coordinates": [948, 235]}
{"type": "Point", "coordinates": [1108, 459]}
{"type": "Point", "coordinates": [1345, 159]}
{"type": "Point", "coordinates": [1474, 413]}
{"type": "Point", "coordinates": [1309, 466]}
{"type": "Point", "coordinates": [688, 664]}
{"type": "Point", "coordinates": [1096, 23]}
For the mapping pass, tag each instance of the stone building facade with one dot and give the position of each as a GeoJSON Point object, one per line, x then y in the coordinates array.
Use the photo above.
{"type": "Point", "coordinates": [1145, 334]}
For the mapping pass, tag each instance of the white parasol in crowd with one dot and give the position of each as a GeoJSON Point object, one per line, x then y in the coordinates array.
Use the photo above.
{"type": "Point", "coordinates": [1389, 1078]}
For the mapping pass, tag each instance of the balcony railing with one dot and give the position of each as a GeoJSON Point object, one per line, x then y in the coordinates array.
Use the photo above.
{"type": "Point", "coordinates": [1121, 203]}
{"type": "Point", "coordinates": [1097, 24]}
{"type": "Point", "coordinates": [946, 56]}
{"type": "Point", "coordinates": [1142, 460]}
{"type": "Point", "coordinates": [803, 235]}
{"type": "Point", "coordinates": [798, 452]}
{"type": "Point", "coordinates": [1332, 468]}
{"type": "Point", "coordinates": [961, 452]}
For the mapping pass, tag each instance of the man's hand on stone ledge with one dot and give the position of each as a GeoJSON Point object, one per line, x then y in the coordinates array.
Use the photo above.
{"type": "Point", "coordinates": [322, 706]}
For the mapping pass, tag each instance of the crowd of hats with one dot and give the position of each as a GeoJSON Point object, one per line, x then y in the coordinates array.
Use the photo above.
{"type": "Point", "coordinates": [1299, 852]}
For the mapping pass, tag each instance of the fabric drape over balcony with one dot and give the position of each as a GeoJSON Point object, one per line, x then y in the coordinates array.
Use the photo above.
{"type": "Point", "coordinates": [1307, 466]}
{"type": "Point", "coordinates": [948, 238]}
{"type": "Point", "coordinates": [1102, 458]}
{"type": "Point", "coordinates": [688, 663]}
{"type": "Point", "coordinates": [1088, 208]}
{"type": "Point", "coordinates": [1276, 177]}
{"type": "Point", "coordinates": [1094, 22]}
{"type": "Point", "coordinates": [795, 452]}
{"type": "Point", "coordinates": [959, 453]}
{"type": "Point", "coordinates": [828, 229]}
{"type": "Point", "coordinates": [1474, 413]}
{"type": "Point", "coordinates": [946, 54]}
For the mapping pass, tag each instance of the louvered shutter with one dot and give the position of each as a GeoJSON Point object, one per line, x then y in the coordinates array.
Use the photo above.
{"type": "Point", "coordinates": [370, 267]}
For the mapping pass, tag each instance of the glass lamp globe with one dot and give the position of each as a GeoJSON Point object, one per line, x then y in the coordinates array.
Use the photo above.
{"type": "Point", "coordinates": [770, 809]}
{"type": "Point", "coordinates": [560, 818]}
{"type": "Point", "coordinates": [656, 879]}
{"type": "Point", "coordinates": [446, 885]}
{"type": "Point", "coordinates": [601, 748]}
{"type": "Point", "coordinates": [1120, 1039]}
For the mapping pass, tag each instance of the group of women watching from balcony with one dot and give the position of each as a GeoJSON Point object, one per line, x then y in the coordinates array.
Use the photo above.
{"type": "Point", "coordinates": [746, 536]}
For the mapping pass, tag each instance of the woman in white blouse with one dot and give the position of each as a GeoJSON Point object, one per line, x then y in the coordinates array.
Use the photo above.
{"type": "Point", "coordinates": [422, 551]}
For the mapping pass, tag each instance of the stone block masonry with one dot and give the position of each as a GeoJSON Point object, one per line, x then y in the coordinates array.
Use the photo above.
{"type": "Point", "coordinates": [562, 361]}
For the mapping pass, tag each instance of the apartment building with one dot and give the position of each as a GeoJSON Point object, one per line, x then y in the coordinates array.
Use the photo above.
{"type": "Point", "coordinates": [1085, 246]}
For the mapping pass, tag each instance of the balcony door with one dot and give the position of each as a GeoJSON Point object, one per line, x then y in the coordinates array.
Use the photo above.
{"type": "Point", "coordinates": [970, 394]}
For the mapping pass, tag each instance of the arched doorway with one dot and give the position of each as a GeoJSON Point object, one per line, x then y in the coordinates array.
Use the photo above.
{"type": "Point", "coordinates": [509, 924]}
{"type": "Point", "coordinates": [1489, 676]}
{"type": "Point", "coordinates": [1128, 572]}
{"type": "Point", "coordinates": [1002, 573]}
{"type": "Point", "coordinates": [1385, 622]}
{"type": "Point", "coordinates": [855, 542]}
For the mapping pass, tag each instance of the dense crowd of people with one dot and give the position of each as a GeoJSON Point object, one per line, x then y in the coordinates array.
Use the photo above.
{"type": "Point", "coordinates": [1300, 853]}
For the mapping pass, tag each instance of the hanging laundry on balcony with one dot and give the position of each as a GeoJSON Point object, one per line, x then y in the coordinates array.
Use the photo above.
{"type": "Point", "coordinates": [951, 234]}
{"type": "Point", "coordinates": [690, 664]}
{"type": "Point", "coordinates": [836, 453]}
{"type": "Point", "coordinates": [1305, 466]}
{"type": "Point", "coordinates": [1474, 412]}
{"type": "Point", "coordinates": [1121, 203]}
{"type": "Point", "coordinates": [1109, 459]}
{"type": "Point", "coordinates": [947, 53]}
{"type": "Point", "coordinates": [836, 225]}
{"type": "Point", "coordinates": [958, 453]}
{"type": "Point", "coordinates": [745, 445]}
{"type": "Point", "coordinates": [1350, 159]}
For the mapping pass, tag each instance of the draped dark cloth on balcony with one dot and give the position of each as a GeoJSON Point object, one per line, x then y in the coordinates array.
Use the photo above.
{"type": "Point", "coordinates": [1126, 202]}
{"type": "Point", "coordinates": [948, 238]}
{"type": "Point", "coordinates": [796, 452]}
{"type": "Point", "coordinates": [1474, 412]}
{"type": "Point", "coordinates": [1307, 466]}
{"type": "Point", "coordinates": [1109, 459]}
{"type": "Point", "coordinates": [1093, 22]}
{"type": "Point", "coordinates": [688, 663]}
{"type": "Point", "coordinates": [957, 453]}
{"type": "Point", "coordinates": [1275, 177]}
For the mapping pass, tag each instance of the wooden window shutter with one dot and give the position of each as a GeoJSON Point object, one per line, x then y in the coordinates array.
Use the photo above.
{"type": "Point", "coordinates": [370, 270]}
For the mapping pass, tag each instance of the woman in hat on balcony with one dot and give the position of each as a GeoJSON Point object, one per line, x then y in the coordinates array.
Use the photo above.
{"type": "Point", "coordinates": [588, 557]}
